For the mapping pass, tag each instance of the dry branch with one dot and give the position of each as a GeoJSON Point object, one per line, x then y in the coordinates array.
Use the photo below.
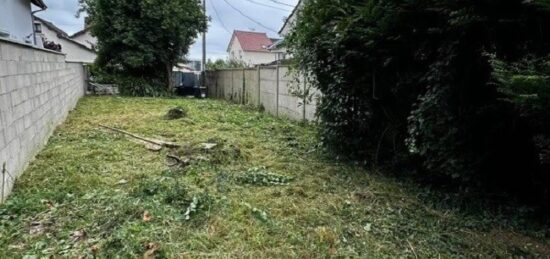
{"type": "Point", "coordinates": [152, 141]}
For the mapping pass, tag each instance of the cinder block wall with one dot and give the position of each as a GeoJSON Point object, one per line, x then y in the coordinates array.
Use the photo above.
{"type": "Point", "coordinates": [270, 87]}
{"type": "Point", "coordinates": [37, 91]}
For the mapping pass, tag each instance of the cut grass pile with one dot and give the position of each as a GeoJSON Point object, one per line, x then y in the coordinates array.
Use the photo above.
{"type": "Point", "coordinates": [264, 190]}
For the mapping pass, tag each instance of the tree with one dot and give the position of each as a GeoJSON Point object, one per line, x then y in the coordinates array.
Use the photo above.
{"type": "Point", "coordinates": [412, 80]}
{"type": "Point", "coordinates": [144, 39]}
{"type": "Point", "coordinates": [223, 64]}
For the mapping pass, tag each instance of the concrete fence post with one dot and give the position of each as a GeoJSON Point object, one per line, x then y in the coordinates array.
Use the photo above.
{"type": "Point", "coordinates": [232, 85]}
{"type": "Point", "coordinates": [277, 93]}
{"type": "Point", "coordinates": [3, 181]}
{"type": "Point", "coordinates": [216, 75]}
{"type": "Point", "coordinates": [259, 86]}
{"type": "Point", "coordinates": [305, 98]}
{"type": "Point", "coordinates": [244, 87]}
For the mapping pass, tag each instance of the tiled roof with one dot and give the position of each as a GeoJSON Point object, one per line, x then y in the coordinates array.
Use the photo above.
{"type": "Point", "coordinates": [252, 41]}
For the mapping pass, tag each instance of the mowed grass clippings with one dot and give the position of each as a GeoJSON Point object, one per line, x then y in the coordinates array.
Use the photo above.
{"type": "Point", "coordinates": [264, 190]}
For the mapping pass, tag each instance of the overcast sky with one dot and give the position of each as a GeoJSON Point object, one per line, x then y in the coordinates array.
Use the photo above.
{"type": "Point", "coordinates": [268, 13]}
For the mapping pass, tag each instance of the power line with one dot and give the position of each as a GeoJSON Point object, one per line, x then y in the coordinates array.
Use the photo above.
{"type": "Point", "coordinates": [281, 3]}
{"type": "Point", "coordinates": [248, 17]}
{"type": "Point", "coordinates": [270, 6]}
{"type": "Point", "coordinates": [219, 17]}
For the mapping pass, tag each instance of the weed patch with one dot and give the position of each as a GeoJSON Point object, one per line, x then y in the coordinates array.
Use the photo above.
{"type": "Point", "coordinates": [260, 176]}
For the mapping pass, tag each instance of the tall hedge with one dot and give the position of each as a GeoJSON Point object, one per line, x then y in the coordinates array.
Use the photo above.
{"type": "Point", "coordinates": [413, 80]}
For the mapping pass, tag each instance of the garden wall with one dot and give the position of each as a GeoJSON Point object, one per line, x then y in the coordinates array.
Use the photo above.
{"type": "Point", "coordinates": [269, 87]}
{"type": "Point", "coordinates": [37, 91]}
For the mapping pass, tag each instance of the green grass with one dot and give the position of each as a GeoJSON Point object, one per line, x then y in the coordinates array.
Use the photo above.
{"type": "Point", "coordinates": [265, 191]}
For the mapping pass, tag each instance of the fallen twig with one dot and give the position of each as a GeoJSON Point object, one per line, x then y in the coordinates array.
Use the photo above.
{"type": "Point", "coordinates": [412, 249]}
{"type": "Point", "coordinates": [152, 141]}
{"type": "Point", "coordinates": [179, 161]}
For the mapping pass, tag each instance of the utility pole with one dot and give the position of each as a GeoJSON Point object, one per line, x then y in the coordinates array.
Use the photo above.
{"type": "Point", "coordinates": [203, 73]}
{"type": "Point", "coordinates": [204, 39]}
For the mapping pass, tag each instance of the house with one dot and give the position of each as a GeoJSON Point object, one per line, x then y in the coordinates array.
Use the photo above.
{"type": "Point", "coordinates": [291, 20]}
{"type": "Point", "coordinates": [16, 20]}
{"type": "Point", "coordinates": [279, 50]}
{"type": "Point", "coordinates": [85, 36]}
{"type": "Point", "coordinates": [278, 47]}
{"type": "Point", "coordinates": [56, 39]}
{"type": "Point", "coordinates": [251, 48]}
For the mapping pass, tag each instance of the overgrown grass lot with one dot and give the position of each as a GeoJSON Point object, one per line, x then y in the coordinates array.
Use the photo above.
{"type": "Point", "coordinates": [242, 184]}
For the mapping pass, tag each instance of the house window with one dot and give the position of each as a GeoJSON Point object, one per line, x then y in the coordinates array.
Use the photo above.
{"type": "Point", "coordinates": [37, 27]}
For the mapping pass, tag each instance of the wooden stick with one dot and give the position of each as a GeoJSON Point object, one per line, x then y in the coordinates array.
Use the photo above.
{"type": "Point", "coordinates": [155, 142]}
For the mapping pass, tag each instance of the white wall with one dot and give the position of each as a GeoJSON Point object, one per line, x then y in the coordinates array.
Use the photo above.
{"type": "Point", "coordinates": [250, 57]}
{"type": "Point", "coordinates": [258, 58]}
{"type": "Point", "coordinates": [37, 91]}
{"type": "Point", "coordinates": [86, 39]}
{"type": "Point", "coordinates": [73, 51]}
{"type": "Point", "coordinates": [291, 21]}
{"type": "Point", "coordinates": [16, 19]}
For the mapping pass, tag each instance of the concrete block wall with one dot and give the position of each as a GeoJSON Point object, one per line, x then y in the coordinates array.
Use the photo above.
{"type": "Point", "coordinates": [37, 90]}
{"type": "Point", "coordinates": [271, 87]}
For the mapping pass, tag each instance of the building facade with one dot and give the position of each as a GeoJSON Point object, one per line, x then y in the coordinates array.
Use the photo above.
{"type": "Point", "coordinates": [251, 48]}
{"type": "Point", "coordinates": [16, 20]}
{"type": "Point", "coordinates": [74, 50]}
{"type": "Point", "coordinates": [85, 37]}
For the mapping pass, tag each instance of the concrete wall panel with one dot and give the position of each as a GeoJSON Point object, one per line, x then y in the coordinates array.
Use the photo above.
{"type": "Point", "coordinates": [37, 91]}
{"type": "Point", "coordinates": [274, 90]}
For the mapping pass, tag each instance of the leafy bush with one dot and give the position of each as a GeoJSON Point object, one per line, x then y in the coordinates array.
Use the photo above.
{"type": "Point", "coordinates": [224, 64]}
{"type": "Point", "coordinates": [404, 80]}
{"type": "Point", "coordinates": [129, 85]}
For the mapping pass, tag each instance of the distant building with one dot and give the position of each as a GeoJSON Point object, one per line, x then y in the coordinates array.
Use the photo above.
{"type": "Point", "coordinates": [252, 48]}
{"type": "Point", "coordinates": [85, 37]}
{"type": "Point", "coordinates": [56, 39]}
{"type": "Point", "coordinates": [291, 20]}
{"type": "Point", "coordinates": [16, 20]}
{"type": "Point", "coordinates": [279, 47]}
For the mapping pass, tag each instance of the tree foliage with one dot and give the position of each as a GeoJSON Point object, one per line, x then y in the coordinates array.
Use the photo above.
{"type": "Point", "coordinates": [412, 80]}
{"type": "Point", "coordinates": [141, 40]}
{"type": "Point", "coordinates": [223, 64]}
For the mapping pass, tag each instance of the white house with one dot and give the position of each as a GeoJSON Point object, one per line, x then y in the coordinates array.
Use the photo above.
{"type": "Point", "coordinates": [251, 48]}
{"type": "Point", "coordinates": [75, 51]}
{"type": "Point", "coordinates": [85, 37]}
{"type": "Point", "coordinates": [278, 47]}
{"type": "Point", "coordinates": [16, 20]}
{"type": "Point", "coordinates": [291, 20]}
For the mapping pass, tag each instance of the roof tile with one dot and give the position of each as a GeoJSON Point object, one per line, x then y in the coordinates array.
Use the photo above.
{"type": "Point", "coordinates": [253, 41]}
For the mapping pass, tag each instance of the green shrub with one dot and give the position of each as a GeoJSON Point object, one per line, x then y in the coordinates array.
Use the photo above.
{"type": "Point", "coordinates": [413, 80]}
{"type": "Point", "coordinates": [128, 85]}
